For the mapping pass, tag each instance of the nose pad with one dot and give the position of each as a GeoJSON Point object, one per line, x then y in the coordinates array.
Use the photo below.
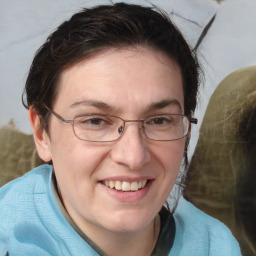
{"type": "Point", "coordinates": [121, 129]}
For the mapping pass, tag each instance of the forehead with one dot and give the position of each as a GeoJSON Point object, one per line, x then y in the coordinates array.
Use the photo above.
{"type": "Point", "coordinates": [122, 78]}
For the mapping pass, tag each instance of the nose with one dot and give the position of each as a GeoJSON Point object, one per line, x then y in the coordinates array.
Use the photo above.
{"type": "Point", "coordinates": [131, 149]}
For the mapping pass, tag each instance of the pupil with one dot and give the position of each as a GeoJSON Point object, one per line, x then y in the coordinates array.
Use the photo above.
{"type": "Point", "coordinates": [95, 121]}
{"type": "Point", "coordinates": [158, 121]}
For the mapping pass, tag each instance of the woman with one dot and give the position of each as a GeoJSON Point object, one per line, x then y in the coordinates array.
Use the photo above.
{"type": "Point", "coordinates": [111, 96]}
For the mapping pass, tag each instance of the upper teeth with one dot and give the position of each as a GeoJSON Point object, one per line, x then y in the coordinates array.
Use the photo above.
{"type": "Point", "coordinates": [125, 185]}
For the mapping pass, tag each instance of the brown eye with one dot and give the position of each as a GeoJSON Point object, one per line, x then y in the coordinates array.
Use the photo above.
{"type": "Point", "coordinates": [93, 122]}
{"type": "Point", "coordinates": [160, 120]}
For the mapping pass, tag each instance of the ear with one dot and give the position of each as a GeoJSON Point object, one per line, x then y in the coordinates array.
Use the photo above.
{"type": "Point", "coordinates": [41, 138]}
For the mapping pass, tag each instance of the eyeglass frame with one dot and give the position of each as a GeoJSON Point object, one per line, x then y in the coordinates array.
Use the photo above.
{"type": "Point", "coordinates": [71, 121]}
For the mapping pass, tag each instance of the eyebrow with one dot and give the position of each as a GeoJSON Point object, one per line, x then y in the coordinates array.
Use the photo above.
{"type": "Point", "coordinates": [93, 103]}
{"type": "Point", "coordinates": [104, 106]}
{"type": "Point", "coordinates": [164, 103]}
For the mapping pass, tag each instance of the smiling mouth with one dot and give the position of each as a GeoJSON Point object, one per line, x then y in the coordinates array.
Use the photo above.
{"type": "Point", "coordinates": [125, 185]}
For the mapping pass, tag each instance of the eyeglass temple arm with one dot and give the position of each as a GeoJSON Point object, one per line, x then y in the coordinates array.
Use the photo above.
{"type": "Point", "coordinates": [193, 120]}
{"type": "Point", "coordinates": [58, 116]}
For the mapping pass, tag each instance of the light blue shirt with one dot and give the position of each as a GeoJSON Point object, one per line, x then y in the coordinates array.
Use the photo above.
{"type": "Point", "coordinates": [32, 224]}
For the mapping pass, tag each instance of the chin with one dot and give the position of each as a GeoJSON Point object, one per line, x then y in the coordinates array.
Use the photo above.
{"type": "Point", "coordinates": [129, 221]}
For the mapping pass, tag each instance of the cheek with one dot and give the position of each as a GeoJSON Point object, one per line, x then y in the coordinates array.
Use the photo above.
{"type": "Point", "coordinates": [169, 155]}
{"type": "Point", "coordinates": [76, 169]}
{"type": "Point", "coordinates": [79, 158]}
{"type": "Point", "coordinates": [75, 160]}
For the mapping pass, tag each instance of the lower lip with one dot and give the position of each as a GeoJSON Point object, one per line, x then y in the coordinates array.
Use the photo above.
{"type": "Point", "coordinates": [131, 196]}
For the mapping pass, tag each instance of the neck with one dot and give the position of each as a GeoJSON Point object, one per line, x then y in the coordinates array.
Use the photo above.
{"type": "Point", "coordinates": [128, 244]}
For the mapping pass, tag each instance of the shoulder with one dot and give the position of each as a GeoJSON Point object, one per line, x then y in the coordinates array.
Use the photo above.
{"type": "Point", "coordinates": [19, 194]}
{"type": "Point", "coordinates": [32, 222]}
{"type": "Point", "coordinates": [24, 184]}
{"type": "Point", "coordinates": [199, 234]}
{"type": "Point", "coordinates": [22, 203]}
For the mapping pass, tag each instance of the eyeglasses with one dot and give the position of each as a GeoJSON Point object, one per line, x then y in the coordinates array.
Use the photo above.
{"type": "Point", "coordinates": [107, 128]}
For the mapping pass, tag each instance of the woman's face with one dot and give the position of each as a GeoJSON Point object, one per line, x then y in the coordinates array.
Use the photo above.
{"type": "Point", "coordinates": [132, 84]}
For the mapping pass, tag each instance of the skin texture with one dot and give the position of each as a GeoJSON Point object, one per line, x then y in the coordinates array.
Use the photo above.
{"type": "Point", "coordinates": [128, 81]}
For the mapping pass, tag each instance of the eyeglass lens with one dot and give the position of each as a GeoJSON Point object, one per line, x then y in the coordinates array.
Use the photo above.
{"type": "Point", "coordinates": [102, 128]}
